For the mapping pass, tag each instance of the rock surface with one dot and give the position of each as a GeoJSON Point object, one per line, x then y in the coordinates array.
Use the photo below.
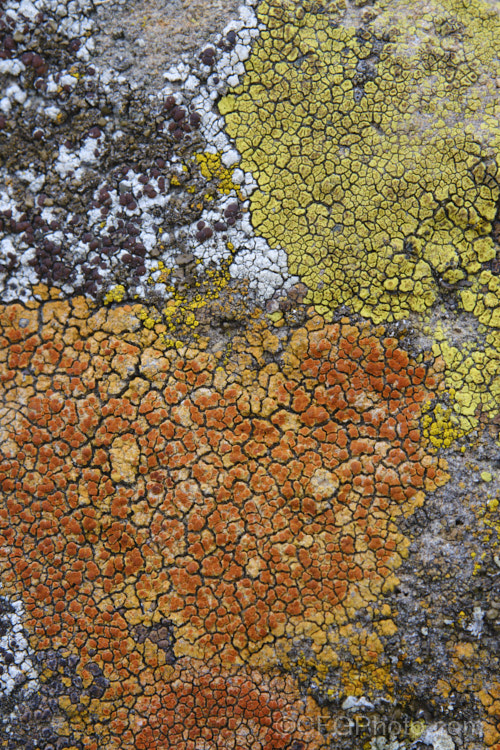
{"type": "Point", "coordinates": [249, 375]}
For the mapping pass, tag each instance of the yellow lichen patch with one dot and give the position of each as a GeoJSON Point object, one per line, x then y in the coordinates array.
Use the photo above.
{"type": "Point", "coordinates": [473, 373]}
{"type": "Point", "coordinates": [116, 294]}
{"type": "Point", "coordinates": [177, 322]}
{"type": "Point", "coordinates": [440, 425]}
{"type": "Point", "coordinates": [483, 299]}
{"type": "Point", "coordinates": [374, 150]}
{"type": "Point", "coordinates": [212, 168]}
{"type": "Point", "coordinates": [148, 320]}
{"type": "Point", "coordinates": [489, 520]}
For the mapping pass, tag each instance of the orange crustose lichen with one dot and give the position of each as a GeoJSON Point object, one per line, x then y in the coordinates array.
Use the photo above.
{"type": "Point", "coordinates": [145, 486]}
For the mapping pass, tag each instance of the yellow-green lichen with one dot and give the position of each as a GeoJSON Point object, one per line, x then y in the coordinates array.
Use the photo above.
{"type": "Point", "coordinates": [375, 171]}
{"type": "Point", "coordinates": [440, 425]}
{"type": "Point", "coordinates": [488, 519]}
{"type": "Point", "coordinates": [177, 321]}
{"type": "Point", "coordinates": [148, 320]}
{"type": "Point", "coordinates": [212, 168]}
{"type": "Point", "coordinates": [472, 370]}
{"type": "Point", "coordinates": [115, 294]}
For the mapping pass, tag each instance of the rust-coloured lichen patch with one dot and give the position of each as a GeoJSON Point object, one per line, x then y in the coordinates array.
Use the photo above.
{"type": "Point", "coordinates": [243, 506]}
{"type": "Point", "coordinates": [235, 707]}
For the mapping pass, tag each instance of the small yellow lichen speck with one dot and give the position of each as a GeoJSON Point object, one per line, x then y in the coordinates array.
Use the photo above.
{"type": "Point", "coordinates": [116, 294]}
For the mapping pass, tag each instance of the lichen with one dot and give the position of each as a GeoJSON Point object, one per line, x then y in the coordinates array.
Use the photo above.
{"type": "Point", "coordinates": [374, 141]}
{"type": "Point", "coordinates": [212, 168]}
{"type": "Point", "coordinates": [371, 170]}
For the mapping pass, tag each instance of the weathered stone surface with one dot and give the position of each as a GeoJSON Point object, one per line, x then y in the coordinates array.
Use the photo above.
{"type": "Point", "coordinates": [249, 375]}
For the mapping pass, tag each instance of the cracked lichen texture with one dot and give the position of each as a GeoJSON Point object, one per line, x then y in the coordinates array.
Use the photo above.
{"type": "Point", "coordinates": [472, 376]}
{"type": "Point", "coordinates": [240, 509]}
{"type": "Point", "coordinates": [374, 149]}
{"type": "Point", "coordinates": [374, 140]}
